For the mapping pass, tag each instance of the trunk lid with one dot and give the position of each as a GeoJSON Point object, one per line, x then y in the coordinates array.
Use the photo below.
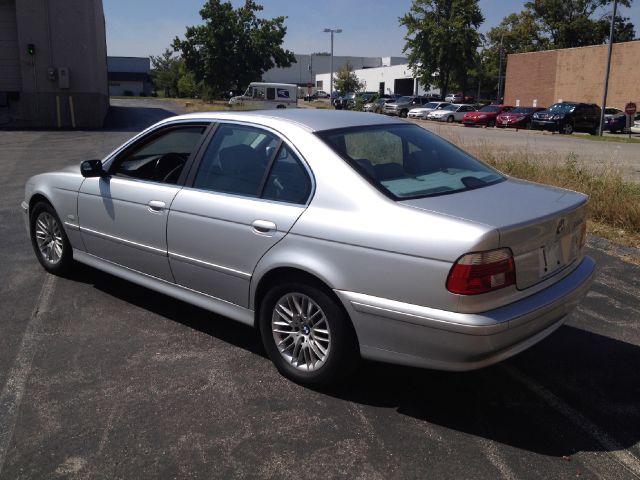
{"type": "Point", "coordinates": [542, 225]}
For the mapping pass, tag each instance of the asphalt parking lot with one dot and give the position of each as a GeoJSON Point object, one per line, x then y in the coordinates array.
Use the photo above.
{"type": "Point", "coordinates": [101, 378]}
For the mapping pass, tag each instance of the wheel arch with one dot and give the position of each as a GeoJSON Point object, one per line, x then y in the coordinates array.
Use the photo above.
{"type": "Point", "coordinates": [288, 273]}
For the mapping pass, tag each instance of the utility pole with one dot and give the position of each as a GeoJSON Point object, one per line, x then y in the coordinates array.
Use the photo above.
{"type": "Point", "coordinates": [608, 71]}
{"type": "Point", "coordinates": [500, 70]}
{"type": "Point", "coordinates": [332, 31]}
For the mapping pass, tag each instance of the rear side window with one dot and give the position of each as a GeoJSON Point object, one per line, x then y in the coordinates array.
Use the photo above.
{"type": "Point", "coordinates": [252, 162]}
{"type": "Point", "coordinates": [406, 161]}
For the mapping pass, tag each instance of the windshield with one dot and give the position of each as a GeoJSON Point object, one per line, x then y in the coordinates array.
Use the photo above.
{"type": "Point", "coordinates": [404, 100]}
{"type": "Point", "coordinates": [431, 105]}
{"type": "Point", "coordinates": [406, 161]}
{"type": "Point", "coordinates": [490, 108]}
{"type": "Point", "coordinates": [451, 107]}
{"type": "Point", "coordinates": [523, 110]}
{"type": "Point", "coordinates": [562, 108]}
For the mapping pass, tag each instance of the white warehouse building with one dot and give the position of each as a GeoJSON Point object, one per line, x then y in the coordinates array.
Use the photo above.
{"type": "Point", "coordinates": [385, 79]}
{"type": "Point", "coordinates": [307, 67]}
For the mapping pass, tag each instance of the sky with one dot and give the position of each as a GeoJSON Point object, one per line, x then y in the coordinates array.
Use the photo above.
{"type": "Point", "coordinates": [370, 28]}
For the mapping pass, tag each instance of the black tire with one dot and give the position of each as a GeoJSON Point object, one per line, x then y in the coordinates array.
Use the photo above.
{"type": "Point", "coordinates": [491, 124]}
{"type": "Point", "coordinates": [566, 128]}
{"type": "Point", "coordinates": [343, 353]}
{"type": "Point", "coordinates": [404, 113]}
{"type": "Point", "coordinates": [450, 119]}
{"type": "Point", "coordinates": [63, 262]}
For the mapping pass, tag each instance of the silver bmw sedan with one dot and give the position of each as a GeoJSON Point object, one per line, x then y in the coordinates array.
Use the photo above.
{"type": "Point", "coordinates": [338, 235]}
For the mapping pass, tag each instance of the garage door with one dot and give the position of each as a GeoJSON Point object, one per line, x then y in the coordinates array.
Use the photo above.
{"type": "Point", "coordinates": [403, 86]}
{"type": "Point", "coordinates": [10, 80]}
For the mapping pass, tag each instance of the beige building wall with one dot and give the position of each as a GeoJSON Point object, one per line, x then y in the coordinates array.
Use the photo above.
{"type": "Point", "coordinates": [65, 83]}
{"type": "Point", "coordinates": [574, 74]}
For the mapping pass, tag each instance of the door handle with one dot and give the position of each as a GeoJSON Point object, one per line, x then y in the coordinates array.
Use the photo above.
{"type": "Point", "coordinates": [263, 227]}
{"type": "Point", "coordinates": [156, 206]}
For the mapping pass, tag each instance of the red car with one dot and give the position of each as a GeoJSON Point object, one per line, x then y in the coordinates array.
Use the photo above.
{"type": "Point", "coordinates": [519, 117]}
{"type": "Point", "coordinates": [486, 116]}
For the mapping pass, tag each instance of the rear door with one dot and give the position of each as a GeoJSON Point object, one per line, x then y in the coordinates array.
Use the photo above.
{"type": "Point", "coordinates": [247, 191]}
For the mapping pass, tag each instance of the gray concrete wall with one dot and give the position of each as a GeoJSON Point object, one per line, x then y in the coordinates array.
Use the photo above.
{"type": "Point", "coordinates": [66, 34]}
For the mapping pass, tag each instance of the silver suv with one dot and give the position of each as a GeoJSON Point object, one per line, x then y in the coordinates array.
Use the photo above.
{"type": "Point", "coordinates": [402, 106]}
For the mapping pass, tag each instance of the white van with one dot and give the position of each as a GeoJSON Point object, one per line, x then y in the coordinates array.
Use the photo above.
{"type": "Point", "coordinates": [268, 95]}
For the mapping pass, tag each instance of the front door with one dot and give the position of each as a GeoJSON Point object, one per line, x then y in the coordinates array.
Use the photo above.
{"type": "Point", "coordinates": [123, 215]}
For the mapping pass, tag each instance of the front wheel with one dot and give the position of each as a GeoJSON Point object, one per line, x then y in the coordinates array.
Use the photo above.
{"type": "Point", "coordinates": [404, 113]}
{"type": "Point", "coordinates": [450, 119]}
{"type": "Point", "coordinates": [491, 124]}
{"type": "Point", "coordinates": [307, 335]}
{"type": "Point", "coordinates": [49, 239]}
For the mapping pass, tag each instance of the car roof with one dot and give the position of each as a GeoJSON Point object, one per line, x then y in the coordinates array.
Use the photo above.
{"type": "Point", "coordinates": [313, 120]}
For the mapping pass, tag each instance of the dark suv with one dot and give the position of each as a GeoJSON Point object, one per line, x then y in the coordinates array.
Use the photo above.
{"type": "Point", "coordinates": [567, 117]}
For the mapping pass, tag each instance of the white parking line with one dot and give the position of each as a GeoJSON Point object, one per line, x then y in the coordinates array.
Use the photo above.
{"type": "Point", "coordinates": [612, 447]}
{"type": "Point", "coordinates": [13, 390]}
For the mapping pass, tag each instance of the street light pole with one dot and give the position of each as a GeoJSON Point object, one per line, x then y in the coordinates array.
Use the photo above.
{"type": "Point", "coordinates": [332, 31]}
{"type": "Point", "coordinates": [606, 76]}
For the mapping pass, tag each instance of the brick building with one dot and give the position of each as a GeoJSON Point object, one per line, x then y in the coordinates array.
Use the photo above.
{"type": "Point", "coordinates": [574, 74]}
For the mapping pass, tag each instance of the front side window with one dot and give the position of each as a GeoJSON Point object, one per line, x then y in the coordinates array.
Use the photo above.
{"type": "Point", "coordinates": [162, 158]}
{"type": "Point", "coordinates": [406, 161]}
{"type": "Point", "coordinates": [252, 162]}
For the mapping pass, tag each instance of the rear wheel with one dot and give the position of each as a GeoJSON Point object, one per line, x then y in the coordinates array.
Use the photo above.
{"type": "Point", "coordinates": [49, 240]}
{"type": "Point", "coordinates": [450, 119]}
{"type": "Point", "coordinates": [307, 335]}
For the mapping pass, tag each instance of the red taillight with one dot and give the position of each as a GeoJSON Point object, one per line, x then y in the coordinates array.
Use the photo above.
{"type": "Point", "coordinates": [482, 272]}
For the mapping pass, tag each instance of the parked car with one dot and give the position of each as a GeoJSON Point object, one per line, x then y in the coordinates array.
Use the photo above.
{"type": "Point", "coordinates": [519, 117]}
{"type": "Point", "coordinates": [567, 117]}
{"type": "Point", "coordinates": [322, 94]}
{"type": "Point", "coordinates": [422, 112]}
{"type": "Point", "coordinates": [615, 123]}
{"type": "Point", "coordinates": [459, 98]}
{"type": "Point", "coordinates": [635, 128]}
{"type": "Point", "coordinates": [345, 102]}
{"type": "Point", "coordinates": [453, 112]}
{"type": "Point", "coordinates": [402, 105]}
{"type": "Point", "coordinates": [377, 105]}
{"type": "Point", "coordinates": [366, 97]}
{"type": "Point", "coordinates": [485, 117]}
{"type": "Point", "coordinates": [312, 227]}
{"type": "Point", "coordinates": [611, 112]}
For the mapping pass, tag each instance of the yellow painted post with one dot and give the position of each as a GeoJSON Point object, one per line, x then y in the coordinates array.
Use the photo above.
{"type": "Point", "coordinates": [58, 111]}
{"type": "Point", "coordinates": [73, 113]}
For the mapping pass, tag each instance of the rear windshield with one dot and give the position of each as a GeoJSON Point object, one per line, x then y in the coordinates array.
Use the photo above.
{"type": "Point", "coordinates": [562, 108]}
{"type": "Point", "coordinates": [406, 161]}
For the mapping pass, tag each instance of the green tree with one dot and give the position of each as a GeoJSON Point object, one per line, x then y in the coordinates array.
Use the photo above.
{"type": "Point", "coordinates": [166, 70]}
{"type": "Point", "coordinates": [346, 80]}
{"type": "Point", "coordinates": [187, 85]}
{"type": "Point", "coordinates": [233, 47]}
{"type": "Point", "coordinates": [442, 40]}
{"type": "Point", "coordinates": [573, 23]}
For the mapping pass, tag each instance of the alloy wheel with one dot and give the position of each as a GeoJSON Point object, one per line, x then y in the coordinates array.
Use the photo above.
{"type": "Point", "coordinates": [49, 238]}
{"type": "Point", "coordinates": [301, 332]}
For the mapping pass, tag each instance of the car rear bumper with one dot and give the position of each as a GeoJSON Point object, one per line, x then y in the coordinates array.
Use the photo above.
{"type": "Point", "coordinates": [419, 336]}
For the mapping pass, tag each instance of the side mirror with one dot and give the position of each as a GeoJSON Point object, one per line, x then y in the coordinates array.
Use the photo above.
{"type": "Point", "coordinates": [92, 168]}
